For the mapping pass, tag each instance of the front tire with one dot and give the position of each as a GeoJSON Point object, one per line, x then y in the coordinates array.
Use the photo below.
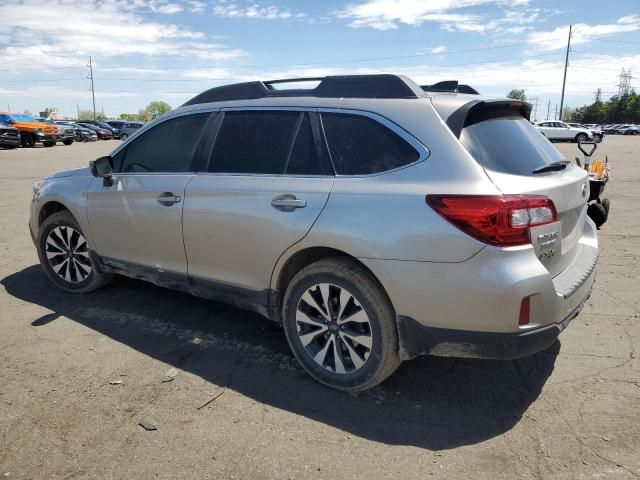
{"type": "Point", "coordinates": [581, 137]}
{"type": "Point", "coordinates": [67, 142]}
{"type": "Point", "coordinates": [64, 255]}
{"type": "Point", "coordinates": [28, 140]}
{"type": "Point", "coordinates": [340, 325]}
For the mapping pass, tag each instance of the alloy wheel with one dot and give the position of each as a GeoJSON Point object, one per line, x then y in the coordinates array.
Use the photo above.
{"type": "Point", "coordinates": [334, 328]}
{"type": "Point", "coordinates": [68, 254]}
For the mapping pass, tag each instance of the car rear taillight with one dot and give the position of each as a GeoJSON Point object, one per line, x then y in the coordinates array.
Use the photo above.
{"type": "Point", "coordinates": [500, 220]}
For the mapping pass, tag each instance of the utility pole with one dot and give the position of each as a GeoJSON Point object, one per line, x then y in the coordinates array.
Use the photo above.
{"type": "Point", "coordinates": [548, 109]}
{"type": "Point", "coordinates": [555, 115]}
{"type": "Point", "coordinates": [78, 108]}
{"type": "Point", "coordinates": [566, 64]}
{"type": "Point", "coordinates": [534, 101]}
{"type": "Point", "coordinates": [93, 94]}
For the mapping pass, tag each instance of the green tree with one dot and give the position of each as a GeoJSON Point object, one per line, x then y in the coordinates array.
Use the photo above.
{"type": "Point", "coordinates": [129, 117]}
{"type": "Point", "coordinates": [88, 115]}
{"type": "Point", "coordinates": [153, 110]}
{"type": "Point", "coordinates": [517, 94]}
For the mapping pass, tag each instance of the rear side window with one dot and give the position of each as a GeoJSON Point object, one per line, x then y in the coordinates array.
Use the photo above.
{"type": "Point", "coordinates": [266, 142]}
{"type": "Point", "coordinates": [360, 145]}
{"type": "Point", "coordinates": [167, 147]}
{"type": "Point", "coordinates": [507, 142]}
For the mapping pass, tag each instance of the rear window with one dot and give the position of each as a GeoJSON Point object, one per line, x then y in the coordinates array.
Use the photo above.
{"type": "Point", "coordinates": [360, 145]}
{"type": "Point", "coordinates": [508, 143]}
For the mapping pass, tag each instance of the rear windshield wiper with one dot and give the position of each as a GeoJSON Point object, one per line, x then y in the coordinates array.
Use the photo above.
{"type": "Point", "coordinates": [550, 167]}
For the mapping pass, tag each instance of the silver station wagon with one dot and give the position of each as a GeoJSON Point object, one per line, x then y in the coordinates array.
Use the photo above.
{"type": "Point", "coordinates": [374, 219]}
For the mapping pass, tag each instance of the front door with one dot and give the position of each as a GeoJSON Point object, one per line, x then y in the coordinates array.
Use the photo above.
{"type": "Point", "coordinates": [137, 220]}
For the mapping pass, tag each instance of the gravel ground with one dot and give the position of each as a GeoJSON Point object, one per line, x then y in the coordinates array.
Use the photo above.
{"type": "Point", "coordinates": [79, 373]}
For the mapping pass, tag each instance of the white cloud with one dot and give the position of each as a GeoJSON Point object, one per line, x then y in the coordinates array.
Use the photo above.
{"type": "Point", "coordinates": [52, 34]}
{"type": "Point", "coordinates": [234, 10]}
{"type": "Point", "coordinates": [196, 6]}
{"type": "Point", "coordinates": [389, 14]}
{"type": "Point", "coordinates": [439, 49]}
{"type": "Point", "coordinates": [581, 33]}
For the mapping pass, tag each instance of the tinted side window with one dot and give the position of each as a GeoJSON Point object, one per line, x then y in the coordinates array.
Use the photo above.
{"type": "Point", "coordinates": [167, 147]}
{"type": "Point", "coordinates": [307, 157]}
{"type": "Point", "coordinates": [360, 145]}
{"type": "Point", "coordinates": [254, 142]}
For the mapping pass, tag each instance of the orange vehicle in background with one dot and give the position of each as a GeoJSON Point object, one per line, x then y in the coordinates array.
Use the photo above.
{"type": "Point", "coordinates": [31, 130]}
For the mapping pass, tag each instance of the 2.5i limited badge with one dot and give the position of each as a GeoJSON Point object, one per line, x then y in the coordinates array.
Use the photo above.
{"type": "Point", "coordinates": [547, 243]}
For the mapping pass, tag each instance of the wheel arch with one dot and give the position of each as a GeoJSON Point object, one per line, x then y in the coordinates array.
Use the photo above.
{"type": "Point", "coordinates": [283, 275]}
{"type": "Point", "coordinates": [51, 207]}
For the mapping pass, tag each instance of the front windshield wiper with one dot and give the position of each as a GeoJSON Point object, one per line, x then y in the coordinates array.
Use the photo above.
{"type": "Point", "coordinates": [550, 167]}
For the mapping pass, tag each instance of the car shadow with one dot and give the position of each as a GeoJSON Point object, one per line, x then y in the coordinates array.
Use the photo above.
{"type": "Point", "coordinates": [430, 402]}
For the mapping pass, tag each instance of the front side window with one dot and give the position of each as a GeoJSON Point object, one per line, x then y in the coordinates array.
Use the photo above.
{"type": "Point", "coordinates": [167, 147]}
{"type": "Point", "coordinates": [360, 145]}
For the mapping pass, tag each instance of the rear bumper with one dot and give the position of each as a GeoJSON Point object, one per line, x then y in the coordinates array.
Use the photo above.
{"type": "Point", "coordinates": [417, 339]}
{"type": "Point", "coordinates": [471, 308]}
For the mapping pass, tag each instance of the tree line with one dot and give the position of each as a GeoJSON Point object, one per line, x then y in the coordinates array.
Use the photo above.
{"type": "Point", "coordinates": [146, 114]}
{"type": "Point", "coordinates": [618, 109]}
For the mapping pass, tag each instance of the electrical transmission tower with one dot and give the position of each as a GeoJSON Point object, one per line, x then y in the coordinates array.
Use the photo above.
{"type": "Point", "coordinates": [624, 87]}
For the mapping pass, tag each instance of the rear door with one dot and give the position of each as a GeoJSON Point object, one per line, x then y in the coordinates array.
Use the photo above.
{"type": "Point", "coordinates": [510, 149]}
{"type": "Point", "coordinates": [266, 183]}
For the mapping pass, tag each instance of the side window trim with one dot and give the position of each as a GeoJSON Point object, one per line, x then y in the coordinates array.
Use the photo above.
{"type": "Point", "coordinates": [423, 150]}
{"type": "Point", "coordinates": [316, 130]}
{"type": "Point", "coordinates": [198, 150]}
{"type": "Point", "coordinates": [292, 143]}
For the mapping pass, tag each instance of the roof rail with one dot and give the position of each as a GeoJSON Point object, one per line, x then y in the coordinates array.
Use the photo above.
{"type": "Point", "coordinates": [350, 86]}
{"type": "Point", "coordinates": [450, 86]}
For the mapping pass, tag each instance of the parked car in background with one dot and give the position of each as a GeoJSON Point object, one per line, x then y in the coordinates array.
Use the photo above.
{"type": "Point", "coordinates": [556, 130]}
{"type": "Point", "coordinates": [373, 230]}
{"type": "Point", "coordinates": [630, 130]}
{"type": "Point", "coordinates": [103, 133]}
{"type": "Point", "coordinates": [612, 128]}
{"type": "Point", "coordinates": [129, 128]}
{"type": "Point", "coordinates": [31, 131]}
{"type": "Point", "coordinates": [596, 132]}
{"type": "Point", "coordinates": [114, 131]}
{"type": "Point", "coordinates": [82, 134]}
{"type": "Point", "coordinates": [66, 134]}
{"type": "Point", "coordinates": [9, 136]}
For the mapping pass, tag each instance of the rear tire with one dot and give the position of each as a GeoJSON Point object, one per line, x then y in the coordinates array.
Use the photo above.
{"type": "Point", "coordinates": [124, 136]}
{"type": "Point", "coordinates": [65, 255]}
{"type": "Point", "coordinates": [67, 142]}
{"type": "Point", "coordinates": [597, 138]}
{"type": "Point", "coordinates": [341, 325]}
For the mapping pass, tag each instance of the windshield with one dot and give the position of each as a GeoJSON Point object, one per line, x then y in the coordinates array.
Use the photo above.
{"type": "Point", "coordinates": [508, 144]}
{"type": "Point", "coordinates": [105, 125]}
{"type": "Point", "coordinates": [22, 117]}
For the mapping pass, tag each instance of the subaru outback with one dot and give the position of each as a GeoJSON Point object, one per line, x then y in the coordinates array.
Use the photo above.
{"type": "Point", "coordinates": [374, 219]}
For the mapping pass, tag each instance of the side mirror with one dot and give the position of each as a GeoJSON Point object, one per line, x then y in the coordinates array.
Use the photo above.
{"type": "Point", "coordinates": [102, 167]}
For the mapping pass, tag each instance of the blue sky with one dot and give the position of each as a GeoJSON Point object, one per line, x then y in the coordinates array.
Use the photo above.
{"type": "Point", "coordinates": [169, 50]}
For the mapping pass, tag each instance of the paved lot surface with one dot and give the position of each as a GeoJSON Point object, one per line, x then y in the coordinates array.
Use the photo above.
{"type": "Point", "coordinates": [569, 412]}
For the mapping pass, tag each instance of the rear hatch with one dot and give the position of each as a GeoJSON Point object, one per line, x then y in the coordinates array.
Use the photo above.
{"type": "Point", "coordinates": [520, 160]}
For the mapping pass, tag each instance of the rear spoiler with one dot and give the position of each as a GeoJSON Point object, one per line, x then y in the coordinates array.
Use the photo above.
{"type": "Point", "coordinates": [471, 110]}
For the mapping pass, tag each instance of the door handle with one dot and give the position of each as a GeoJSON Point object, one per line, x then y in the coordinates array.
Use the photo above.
{"type": "Point", "coordinates": [167, 199]}
{"type": "Point", "coordinates": [287, 202]}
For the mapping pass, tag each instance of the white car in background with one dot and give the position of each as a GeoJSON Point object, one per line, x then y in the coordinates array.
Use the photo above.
{"type": "Point", "coordinates": [556, 130]}
{"type": "Point", "coordinates": [595, 130]}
